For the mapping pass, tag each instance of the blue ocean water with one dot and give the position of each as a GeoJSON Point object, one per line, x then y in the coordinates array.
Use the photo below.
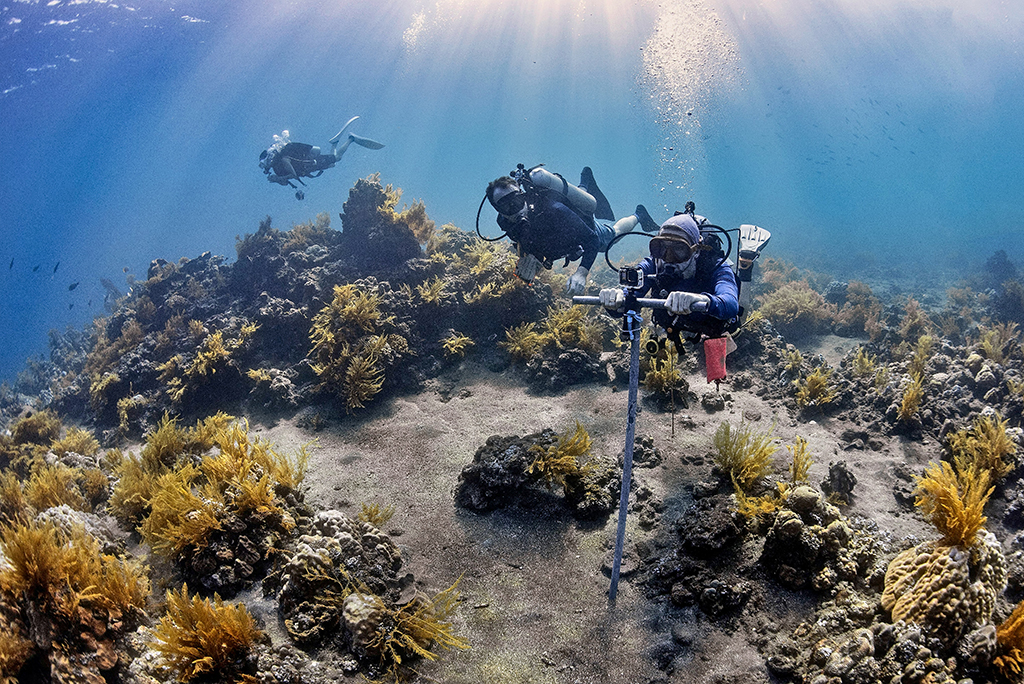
{"type": "Point", "coordinates": [863, 134]}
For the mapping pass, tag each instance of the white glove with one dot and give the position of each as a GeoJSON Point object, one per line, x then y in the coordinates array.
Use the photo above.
{"type": "Point", "coordinates": [612, 298]}
{"type": "Point", "coordinates": [527, 267]}
{"type": "Point", "coordinates": [577, 282]}
{"type": "Point", "coordinates": [682, 303]}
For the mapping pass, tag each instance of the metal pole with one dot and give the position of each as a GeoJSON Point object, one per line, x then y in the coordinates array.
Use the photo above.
{"type": "Point", "coordinates": [630, 326]}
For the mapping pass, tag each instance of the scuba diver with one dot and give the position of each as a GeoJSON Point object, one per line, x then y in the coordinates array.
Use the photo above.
{"type": "Point", "coordinates": [285, 161]}
{"type": "Point", "coordinates": [548, 218]}
{"type": "Point", "coordinates": [688, 268]}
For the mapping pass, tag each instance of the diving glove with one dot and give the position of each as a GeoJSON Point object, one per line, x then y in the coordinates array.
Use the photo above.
{"type": "Point", "coordinates": [612, 298]}
{"type": "Point", "coordinates": [527, 267]}
{"type": "Point", "coordinates": [684, 303]}
{"type": "Point", "coordinates": [577, 282]}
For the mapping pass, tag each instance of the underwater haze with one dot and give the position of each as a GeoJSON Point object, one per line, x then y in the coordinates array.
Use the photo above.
{"type": "Point", "coordinates": [874, 139]}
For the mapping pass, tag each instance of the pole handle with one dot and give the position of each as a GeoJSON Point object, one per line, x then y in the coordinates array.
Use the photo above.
{"type": "Point", "coordinates": [596, 301]}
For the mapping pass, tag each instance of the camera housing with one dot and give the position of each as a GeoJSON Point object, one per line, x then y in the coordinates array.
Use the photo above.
{"type": "Point", "coordinates": [631, 277]}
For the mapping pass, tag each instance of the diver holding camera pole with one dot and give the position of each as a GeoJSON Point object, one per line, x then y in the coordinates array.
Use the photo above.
{"type": "Point", "coordinates": [699, 300]}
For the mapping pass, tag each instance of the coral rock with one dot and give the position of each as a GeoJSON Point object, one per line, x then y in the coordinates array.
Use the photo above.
{"type": "Point", "coordinates": [945, 589]}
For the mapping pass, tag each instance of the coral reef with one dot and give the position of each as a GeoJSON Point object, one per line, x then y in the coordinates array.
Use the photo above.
{"type": "Point", "coordinates": [510, 470]}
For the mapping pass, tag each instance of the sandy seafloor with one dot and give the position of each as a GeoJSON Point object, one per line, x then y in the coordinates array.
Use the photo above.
{"type": "Point", "coordinates": [534, 583]}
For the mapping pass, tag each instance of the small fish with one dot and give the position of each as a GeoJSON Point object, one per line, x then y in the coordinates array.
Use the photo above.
{"type": "Point", "coordinates": [36, 268]}
{"type": "Point", "coordinates": [12, 264]}
{"type": "Point", "coordinates": [71, 306]}
{"type": "Point", "coordinates": [89, 303]}
{"type": "Point", "coordinates": [125, 269]}
{"type": "Point", "coordinates": [73, 285]}
{"type": "Point", "coordinates": [56, 267]}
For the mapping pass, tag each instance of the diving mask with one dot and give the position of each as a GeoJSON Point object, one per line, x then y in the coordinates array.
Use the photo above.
{"type": "Point", "coordinates": [510, 203]}
{"type": "Point", "coordinates": [672, 250]}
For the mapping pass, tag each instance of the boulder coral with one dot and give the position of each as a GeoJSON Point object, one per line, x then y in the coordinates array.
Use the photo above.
{"type": "Point", "coordinates": [947, 590]}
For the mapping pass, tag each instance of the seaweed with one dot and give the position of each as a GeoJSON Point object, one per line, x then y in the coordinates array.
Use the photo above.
{"type": "Point", "coordinates": [794, 308]}
{"type": "Point", "coordinates": [52, 486]}
{"type": "Point", "coordinates": [794, 360]}
{"type": "Point", "coordinates": [998, 342]}
{"type": "Point", "coordinates": [815, 389]}
{"type": "Point", "coordinates": [199, 636]}
{"type": "Point", "coordinates": [861, 306]}
{"type": "Point", "coordinates": [802, 461]}
{"type": "Point", "coordinates": [744, 456]}
{"type": "Point", "coordinates": [456, 344]}
{"type": "Point", "coordinates": [303, 234]}
{"type": "Point", "coordinates": [523, 341]}
{"type": "Point", "coordinates": [910, 403]}
{"type": "Point", "coordinates": [922, 352]}
{"type": "Point", "coordinates": [984, 446]}
{"type": "Point", "coordinates": [181, 519]}
{"type": "Point", "coordinates": [76, 441]}
{"type": "Point", "coordinates": [363, 381]}
{"type": "Point", "coordinates": [40, 428]}
{"type": "Point", "coordinates": [412, 628]}
{"type": "Point", "coordinates": [864, 363]}
{"type": "Point", "coordinates": [59, 571]}
{"type": "Point", "coordinates": [375, 514]}
{"type": "Point", "coordinates": [1010, 642]}
{"type": "Point", "coordinates": [915, 322]}
{"type": "Point", "coordinates": [14, 651]}
{"type": "Point", "coordinates": [13, 504]}
{"type": "Point", "coordinates": [432, 291]}
{"type": "Point", "coordinates": [562, 461]}
{"type": "Point", "coordinates": [954, 502]}
{"type": "Point", "coordinates": [664, 378]}
{"type": "Point", "coordinates": [350, 351]}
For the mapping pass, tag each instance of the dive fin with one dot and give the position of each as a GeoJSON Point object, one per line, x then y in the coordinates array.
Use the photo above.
{"type": "Point", "coordinates": [343, 129]}
{"type": "Point", "coordinates": [365, 142]}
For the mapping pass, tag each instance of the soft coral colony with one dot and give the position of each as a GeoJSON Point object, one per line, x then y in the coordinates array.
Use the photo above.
{"type": "Point", "coordinates": [216, 502]}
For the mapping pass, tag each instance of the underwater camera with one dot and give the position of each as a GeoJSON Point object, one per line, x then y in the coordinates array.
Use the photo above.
{"type": "Point", "coordinates": [631, 277]}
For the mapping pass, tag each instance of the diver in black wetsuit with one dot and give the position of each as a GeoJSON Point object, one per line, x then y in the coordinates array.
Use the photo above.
{"type": "Point", "coordinates": [285, 161]}
{"type": "Point", "coordinates": [550, 219]}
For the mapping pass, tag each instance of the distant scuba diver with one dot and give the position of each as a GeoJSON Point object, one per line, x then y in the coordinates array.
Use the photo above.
{"type": "Point", "coordinates": [285, 161]}
{"type": "Point", "coordinates": [549, 218]}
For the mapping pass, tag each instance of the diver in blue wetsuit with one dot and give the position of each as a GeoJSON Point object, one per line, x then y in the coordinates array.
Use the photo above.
{"type": "Point", "coordinates": [550, 219]}
{"type": "Point", "coordinates": [285, 161]}
{"type": "Point", "coordinates": [688, 269]}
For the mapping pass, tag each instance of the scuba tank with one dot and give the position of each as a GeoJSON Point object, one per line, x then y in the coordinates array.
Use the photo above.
{"type": "Point", "coordinates": [580, 200]}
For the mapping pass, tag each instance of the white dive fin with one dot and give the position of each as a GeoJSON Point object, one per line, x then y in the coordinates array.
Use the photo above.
{"type": "Point", "coordinates": [343, 129]}
{"type": "Point", "coordinates": [753, 239]}
{"type": "Point", "coordinates": [365, 142]}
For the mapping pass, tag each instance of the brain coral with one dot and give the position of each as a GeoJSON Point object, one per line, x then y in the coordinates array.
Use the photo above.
{"type": "Point", "coordinates": [931, 585]}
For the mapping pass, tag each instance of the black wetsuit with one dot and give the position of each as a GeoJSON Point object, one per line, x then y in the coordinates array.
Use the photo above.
{"type": "Point", "coordinates": [551, 230]}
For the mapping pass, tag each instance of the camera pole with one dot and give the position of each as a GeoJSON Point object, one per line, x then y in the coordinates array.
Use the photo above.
{"type": "Point", "coordinates": [631, 322]}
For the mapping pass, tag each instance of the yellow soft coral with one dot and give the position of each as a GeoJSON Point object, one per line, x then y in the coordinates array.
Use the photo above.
{"type": "Point", "coordinates": [744, 455]}
{"type": "Point", "coordinates": [1010, 638]}
{"type": "Point", "coordinates": [198, 636]}
{"type": "Point", "coordinates": [954, 502]}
